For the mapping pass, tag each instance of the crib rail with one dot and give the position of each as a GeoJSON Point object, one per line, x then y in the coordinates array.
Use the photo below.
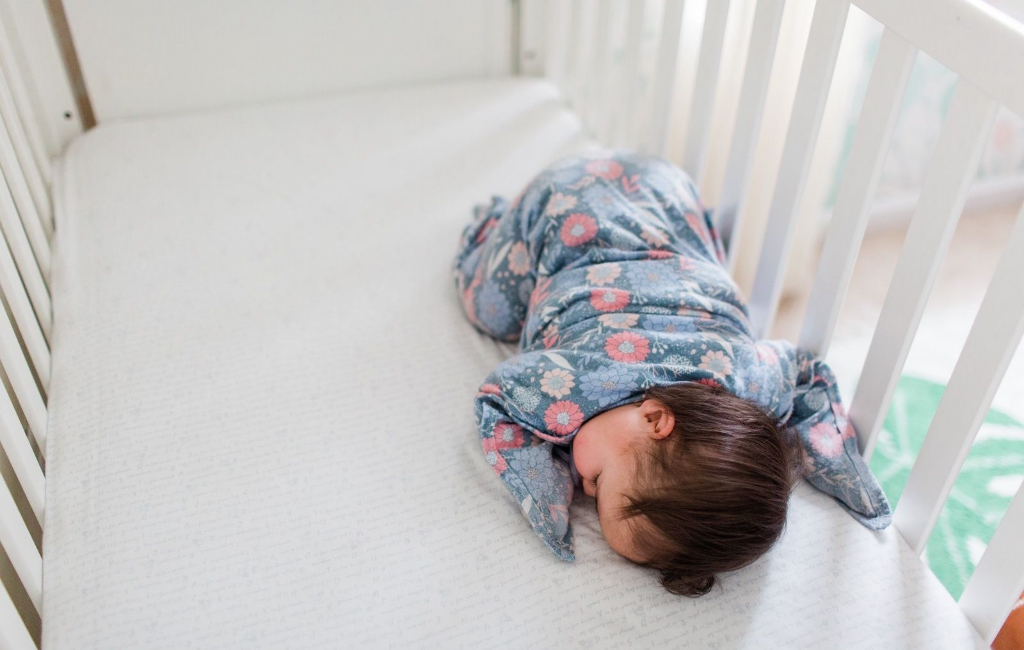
{"type": "Point", "coordinates": [26, 225]}
{"type": "Point", "coordinates": [986, 51]}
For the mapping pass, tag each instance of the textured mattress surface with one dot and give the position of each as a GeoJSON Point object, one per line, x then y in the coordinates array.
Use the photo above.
{"type": "Point", "coordinates": [261, 427]}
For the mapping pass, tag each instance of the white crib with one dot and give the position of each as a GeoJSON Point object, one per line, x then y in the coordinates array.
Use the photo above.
{"type": "Point", "coordinates": [243, 304]}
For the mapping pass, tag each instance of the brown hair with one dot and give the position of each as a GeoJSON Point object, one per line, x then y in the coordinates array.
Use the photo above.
{"type": "Point", "coordinates": [715, 491]}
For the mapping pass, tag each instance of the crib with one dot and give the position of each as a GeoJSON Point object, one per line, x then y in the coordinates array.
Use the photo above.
{"type": "Point", "coordinates": [232, 345]}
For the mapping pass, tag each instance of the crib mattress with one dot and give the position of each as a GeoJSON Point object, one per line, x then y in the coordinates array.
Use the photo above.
{"type": "Point", "coordinates": [261, 428]}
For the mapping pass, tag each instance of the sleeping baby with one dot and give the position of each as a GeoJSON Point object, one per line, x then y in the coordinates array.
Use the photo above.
{"type": "Point", "coordinates": [637, 377]}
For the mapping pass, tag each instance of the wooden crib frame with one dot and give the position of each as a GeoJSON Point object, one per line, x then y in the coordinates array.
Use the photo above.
{"type": "Point", "coordinates": [984, 48]}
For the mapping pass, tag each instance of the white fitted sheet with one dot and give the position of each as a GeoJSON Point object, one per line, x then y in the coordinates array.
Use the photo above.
{"type": "Point", "coordinates": [261, 427]}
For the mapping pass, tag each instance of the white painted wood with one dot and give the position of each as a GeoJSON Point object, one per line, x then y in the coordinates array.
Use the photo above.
{"type": "Point", "coordinates": [764, 35]}
{"type": "Point", "coordinates": [534, 25]}
{"type": "Point", "coordinates": [13, 86]}
{"type": "Point", "coordinates": [971, 38]}
{"type": "Point", "coordinates": [556, 42]}
{"type": "Point", "coordinates": [705, 85]}
{"type": "Point", "coordinates": [26, 209]}
{"type": "Point", "coordinates": [42, 90]}
{"type": "Point", "coordinates": [953, 166]}
{"type": "Point", "coordinates": [24, 259]}
{"type": "Point", "coordinates": [239, 52]}
{"type": "Point", "coordinates": [629, 77]}
{"type": "Point", "coordinates": [20, 376]}
{"type": "Point", "coordinates": [656, 141]}
{"type": "Point", "coordinates": [20, 548]}
{"type": "Point", "coordinates": [595, 111]}
{"type": "Point", "coordinates": [23, 460]}
{"type": "Point", "coordinates": [574, 63]}
{"type": "Point", "coordinates": [24, 316]}
{"type": "Point", "coordinates": [994, 337]}
{"type": "Point", "coordinates": [23, 152]}
{"type": "Point", "coordinates": [812, 89]}
{"type": "Point", "coordinates": [998, 580]}
{"type": "Point", "coordinates": [875, 127]}
{"type": "Point", "coordinates": [13, 633]}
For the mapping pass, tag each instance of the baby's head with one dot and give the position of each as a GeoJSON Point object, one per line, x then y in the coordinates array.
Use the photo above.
{"type": "Point", "coordinates": [692, 481]}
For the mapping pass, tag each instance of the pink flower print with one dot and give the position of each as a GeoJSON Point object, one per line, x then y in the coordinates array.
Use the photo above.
{"type": "Point", "coordinates": [843, 421]}
{"type": "Point", "coordinates": [557, 383]}
{"type": "Point", "coordinates": [563, 417]}
{"type": "Point", "coordinates": [559, 204]}
{"type": "Point", "coordinates": [492, 456]}
{"type": "Point", "coordinates": [627, 347]}
{"type": "Point", "coordinates": [698, 227]}
{"type": "Point", "coordinates": [767, 354]}
{"type": "Point", "coordinates": [709, 382]}
{"type": "Point", "coordinates": [686, 264]}
{"type": "Point", "coordinates": [489, 389]}
{"type": "Point", "coordinates": [507, 435]}
{"type": "Point", "coordinates": [659, 255]}
{"type": "Point", "coordinates": [540, 291]}
{"type": "Point", "coordinates": [602, 274]}
{"type": "Point", "coordinates": [631, 184]}
{"type": "Point", "coordinates": [609, 299]}
{"type": "Point", "coordinates": [619, 320]}
{"type": "Point", "coordinates": [717, 362]}
{"type": "Point", "coordinates": [826, 440]}
{"type": "Point", "coordinates": [550, 336]}
{"type": "Point", "coordinates": [578, 229]}
{"type": "Point", "coordinates": [653, 236]}
{"type": "Point", "coordinates": [486, 229]}
{"type": "Point", "coordinates": [519, 259]}
{"type": "Point", "coordinates": [606, 169]}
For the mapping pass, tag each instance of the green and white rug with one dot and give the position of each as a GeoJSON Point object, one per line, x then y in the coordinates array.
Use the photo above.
{"type": "Point", "coordinates": [990, 477]}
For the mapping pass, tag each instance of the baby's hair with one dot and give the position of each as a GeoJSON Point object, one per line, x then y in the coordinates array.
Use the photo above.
{"type": "Point", "coordinates": [715, 491]}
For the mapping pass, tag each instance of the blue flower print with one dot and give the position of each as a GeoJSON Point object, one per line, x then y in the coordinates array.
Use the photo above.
{"type": "Point", "coordinates": [599, 196]}
{"type": "Point", "coordinates": [668, 324]}
{"type": "Point", "coordinates": [647, 275]}
{"type": "Point", "coordinates": [538, 469]}
{"type": "Point", "coordinates": [493, 308]}
{"type": "Point", "coordinates": [608, 384]}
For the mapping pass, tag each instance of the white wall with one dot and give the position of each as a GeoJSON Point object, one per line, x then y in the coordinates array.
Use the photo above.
{"type": "Point", "coordinates": [146, 57]}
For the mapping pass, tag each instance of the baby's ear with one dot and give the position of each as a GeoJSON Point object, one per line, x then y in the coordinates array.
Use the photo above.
{"type": "Point", "coordinates": [658, 417]}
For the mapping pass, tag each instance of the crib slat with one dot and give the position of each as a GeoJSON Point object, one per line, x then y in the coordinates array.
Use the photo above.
{"type": "Point", "coordinates": [20, 548]}
{"type": "Point", "coordinates": [576, 64]}
{"type": "Point", "coordinates": [629, 78]}
{"type": "Point", "coordinates": [26, 263]}
{"type": "Point", "coordinates": [990, 345]}
{"type": "Point", "coordinates": [556, 51]}
{"type": "Point", "coordinates": [19, 92]}
{"type": "Point", "coordinates": [596, 108]}
{"type": "Point", "coordinates": [875, 127]}
{"type": "Point", "coordinates": [998, 580]}
{"type": "Point", "coordinates": [28, 215]}
{"type": "Point", "coordinates": [24, 317]}
{"type": "Point", "coordinates": [20, 376]}
{"type": "Point", "coordinates": [954, 163]}
{"type": "Point", "coordinates": [23, 152]}
{"type": "Point", "coordinates": [819, 62]}
{"type": "Point", "coordinates": [13, 633]}
{"type": "Point", "coordinates": [664, 79]}
{"type": "Point", "coordinates": [19, 452]}
{"type": "Point", "coordinates": [705, 84]}
{"type": "Point", "coordinates": [763, 38]}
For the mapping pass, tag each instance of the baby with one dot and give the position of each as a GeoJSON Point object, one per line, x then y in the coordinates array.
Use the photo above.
{"type": "Point", "coordinates": [690, 480]}
{"type": "Point", "coordinates": [638, 379]}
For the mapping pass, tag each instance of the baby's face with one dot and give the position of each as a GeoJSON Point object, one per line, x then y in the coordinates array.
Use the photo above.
{"type": "Point", "coordinates": [605, 452]}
